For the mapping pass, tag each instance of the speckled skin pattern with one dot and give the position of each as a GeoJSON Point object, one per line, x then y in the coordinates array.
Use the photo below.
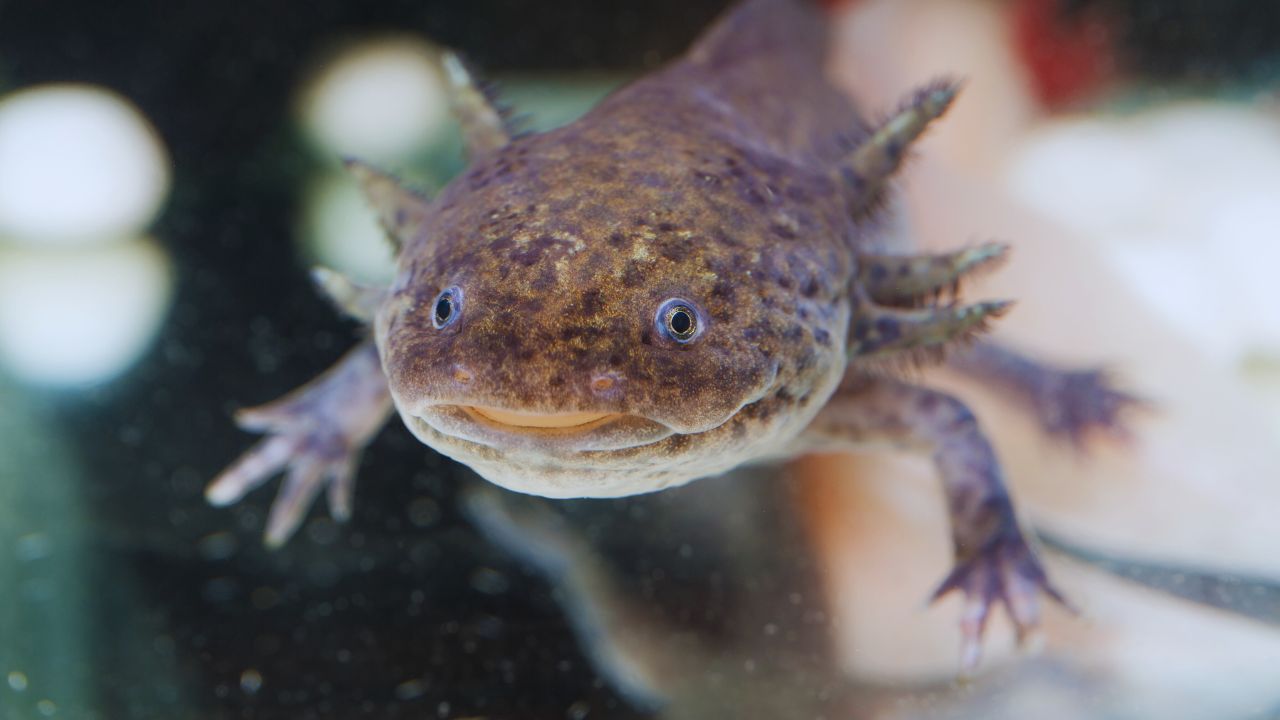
{"type": "Point", "coordinates": [704, 182]}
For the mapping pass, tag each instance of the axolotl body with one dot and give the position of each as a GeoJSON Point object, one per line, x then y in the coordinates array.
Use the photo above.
{"type": "Point", "coordinates": [699, 273]}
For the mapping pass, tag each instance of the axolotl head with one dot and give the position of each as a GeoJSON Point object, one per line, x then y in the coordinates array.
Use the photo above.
{"type": "Point", "coordinates": [568, 329]}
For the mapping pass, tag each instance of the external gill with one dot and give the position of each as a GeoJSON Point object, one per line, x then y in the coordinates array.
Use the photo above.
{"type": "Point", "coordinates": [899, 311]}
{"type": "Point", "coordinates": [487, 124]}
{"type": "Point", "coordinates": [910, 280]}
{"type": "Point", "coordinates": [922, 333]}
{"type": "Point", "coordinates": [869, 166]}
{"type": "Point", "coordinates": [357, 301]}
{"type": "Point", "coordinates": [401, 211]}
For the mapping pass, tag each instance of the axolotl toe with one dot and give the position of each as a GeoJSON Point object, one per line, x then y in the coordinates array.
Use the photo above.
{"type": "Point", "coordinates": [697, 274]}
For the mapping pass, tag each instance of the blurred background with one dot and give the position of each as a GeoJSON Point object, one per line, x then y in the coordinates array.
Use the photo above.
{"type": "Point", "coordinates": [168, 175]}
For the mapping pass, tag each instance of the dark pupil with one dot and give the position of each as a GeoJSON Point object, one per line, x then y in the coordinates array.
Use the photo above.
{"type": "Point", "coordinates": [444, 309]}
{"type": "Point", "coordinates": [681, 322]}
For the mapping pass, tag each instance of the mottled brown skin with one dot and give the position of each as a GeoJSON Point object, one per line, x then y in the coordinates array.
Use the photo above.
{"type": "Point", "coordinates": [565, 244]}
{"type": "Point", "coordinates": [736, 180]}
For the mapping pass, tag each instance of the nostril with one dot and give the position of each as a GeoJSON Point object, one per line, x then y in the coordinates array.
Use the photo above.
{"type": "Point", "coordinates": [605, 383]}
{"type": "Point", "coordinates": [461, 375]}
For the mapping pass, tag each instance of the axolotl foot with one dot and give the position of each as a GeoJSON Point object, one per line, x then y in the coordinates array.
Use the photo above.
{"type": "Point", "coordinates": [1072, 405]}
{"type": "Point", "coordinates": [1006, 572]}
{"type": "Point", "coordinates": [314, 434]}
{"type": "Point", "coordinates": [995, 563]}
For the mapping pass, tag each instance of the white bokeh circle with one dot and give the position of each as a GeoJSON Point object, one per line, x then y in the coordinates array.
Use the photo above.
{"type": "Point", "coordinates": [72, 317]}
{"type": "Point", "coordinates": [379, 100]}
{"type": "Point", "coordinates": [78, 164]}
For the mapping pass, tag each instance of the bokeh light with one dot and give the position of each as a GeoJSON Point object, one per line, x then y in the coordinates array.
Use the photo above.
{"type": "Point", "coordinates": [78, 164]}
{"type": "Point", "coordinates": [80, 316]}
{"type": "Point", "coordinates": [341, 231]}
{"type": "Point", "coordinates": [380, 100]}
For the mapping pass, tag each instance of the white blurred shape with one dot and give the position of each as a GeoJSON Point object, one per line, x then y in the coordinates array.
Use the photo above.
{"type": "Point", "coordinates": [1263, 375]}
{"type": "Point", "coordinates": [1245, 237]}
{"type": "Point", "coordinates": [342, 232]}
{"type": "Point", "coordinates": [78, 164]}
{"type": "Point", "coordinates": [379, 101]}
{"type": "Point", "coordinates": [1087, 174]}
{"type": "Point", "coordinates": [78, 317]}
{"type": "Point", "coordinates": [1173, 278]}
{"type": "Point", "coordinates": [1183, 200]}
{"type": "Point", "coordinates": [1210, 152]}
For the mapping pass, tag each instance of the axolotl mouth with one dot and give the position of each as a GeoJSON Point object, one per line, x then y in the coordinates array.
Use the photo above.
{"type": "Point", "coordinates": [546, 434]}
{"type": "Point", "coordinates": [596, 451]}
{"type": "Point", "coordinates": [577, 454]}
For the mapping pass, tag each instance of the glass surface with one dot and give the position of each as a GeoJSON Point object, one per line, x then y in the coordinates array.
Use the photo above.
{"type": "Point", "coordinates": [176, 172]}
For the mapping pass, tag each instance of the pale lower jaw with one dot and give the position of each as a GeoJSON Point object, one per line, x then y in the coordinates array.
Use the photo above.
{"type": "Point", "coordinates": [589, 432]}
{"type": "Point", "coordinates": [537, 420]}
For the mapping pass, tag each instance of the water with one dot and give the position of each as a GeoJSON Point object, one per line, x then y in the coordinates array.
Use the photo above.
{"type": "Point", "coordinates": [126, 347]}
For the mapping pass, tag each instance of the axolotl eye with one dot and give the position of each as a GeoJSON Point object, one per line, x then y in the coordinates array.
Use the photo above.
{"type": "Point", "coordinates": [447, 308]}
{"type": "Point", "coordinates": [679, 320]}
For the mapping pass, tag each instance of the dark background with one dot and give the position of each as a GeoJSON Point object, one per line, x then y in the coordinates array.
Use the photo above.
{"type": "Point", "coordinates": [1202, 42]}
{"type": "Point", "coordinates": [338, 621]}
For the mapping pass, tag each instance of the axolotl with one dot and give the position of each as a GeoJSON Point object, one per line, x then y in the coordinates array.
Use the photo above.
{"type": "Point", "coordinates": [702, 272]}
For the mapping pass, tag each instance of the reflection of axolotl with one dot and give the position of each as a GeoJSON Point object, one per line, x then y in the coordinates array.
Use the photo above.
{"type": "Point", "coordinates": [697, 274]}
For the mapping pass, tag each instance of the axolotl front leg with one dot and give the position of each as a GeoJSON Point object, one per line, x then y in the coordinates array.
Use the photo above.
{"type": "Point", "coordinates": [315, 434]}
{"type": "Point", "coordinates": [994, 563]}
{"type": "Point", "coordinates": [897, 321]}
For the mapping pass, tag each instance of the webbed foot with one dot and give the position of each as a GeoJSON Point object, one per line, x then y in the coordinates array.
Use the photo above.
{"type": "Point", "coordinates": [1072, 405]}
{"type": "Point", "coordinates": [314, 434]}
{"type": "Point", "coordinates": [1004, 571]}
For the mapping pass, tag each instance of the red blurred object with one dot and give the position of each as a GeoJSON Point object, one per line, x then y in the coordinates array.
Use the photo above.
{"type": "Point", "coordinates": [1068, 56]}
{"type": "Point", "coordinates": [836, 4]}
